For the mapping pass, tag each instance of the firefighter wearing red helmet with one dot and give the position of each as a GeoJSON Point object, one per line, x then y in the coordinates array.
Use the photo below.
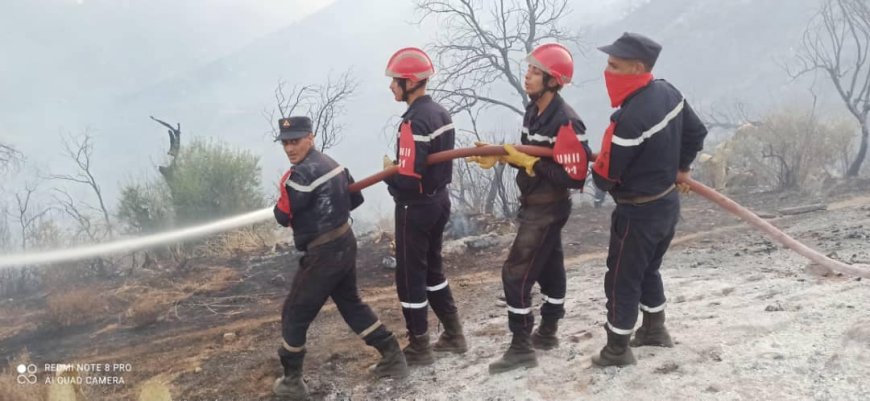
{"type": "Point", "coordinates": [545, 205]}
{"type": "Point", "coordinates": [422, 209]}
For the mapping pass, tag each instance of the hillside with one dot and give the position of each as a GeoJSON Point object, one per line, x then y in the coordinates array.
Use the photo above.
{"type": "Point", "coordinates": [744, 313]}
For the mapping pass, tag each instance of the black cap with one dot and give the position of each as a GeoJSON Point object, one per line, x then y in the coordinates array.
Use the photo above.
{"type": "Point", "coordinates": [293, 128]}
{"type": "Point", "coordinates": [634, 46]}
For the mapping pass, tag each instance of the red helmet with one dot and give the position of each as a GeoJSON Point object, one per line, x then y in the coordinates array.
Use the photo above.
{"type": "Point", "coordinates": [554, 59]}
{"type": "Point", "coordinates": [410, 63]}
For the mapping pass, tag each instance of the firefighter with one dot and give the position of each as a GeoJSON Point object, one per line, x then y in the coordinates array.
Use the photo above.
{"type": "Point", "coordinates": [422, 209]}
{"type": "Point", "coordinates": [314, 201]}
{"type": "Point", "coordinates": [545, 205]}
{"type": "Point", "coordinates": [653, 137]}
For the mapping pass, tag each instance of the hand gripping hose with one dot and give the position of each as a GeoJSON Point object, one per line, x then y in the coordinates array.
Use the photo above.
{"type": "Point", "coordinates": [723, 201]}
{"type": "Point", "coordinates": [133, 244]}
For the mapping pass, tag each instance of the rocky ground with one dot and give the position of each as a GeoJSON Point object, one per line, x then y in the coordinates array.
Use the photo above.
{"type": "Point", "coordinates": [751, 321]}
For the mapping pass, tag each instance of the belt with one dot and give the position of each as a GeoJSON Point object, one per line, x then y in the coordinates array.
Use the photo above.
{"type": "Point", "coordinates": [640, 200]}
{"type": "Point", "coordinates": [544, 198]}
{"type": "Point", "coordinates": [328, 236]}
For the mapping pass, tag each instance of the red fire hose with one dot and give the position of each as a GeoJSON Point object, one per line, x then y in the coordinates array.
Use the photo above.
{"type": "Point", "coordinates": [859, 270]}
{"type": "Point", "coordinates": [441, 157]}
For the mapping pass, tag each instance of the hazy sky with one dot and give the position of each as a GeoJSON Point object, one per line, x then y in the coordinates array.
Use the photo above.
{"type": "Point", "coordinates": [67, 61]}
{"type": "Point", "coordinates": [66, 65]}
{"type": "Point", "coordinates": [51, 47]}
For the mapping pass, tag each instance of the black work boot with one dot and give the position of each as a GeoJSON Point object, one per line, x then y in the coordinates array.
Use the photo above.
{"type": "Point", "coordinates": [652, 331]}
{"type": "Point", "coordinates": [519, 355]}
{"type": "Point", "coordinates": [291, 386]}
{"type": "Point", "coordinates": [392, 363]}
{"type": "Point", "coordinates": [544, 337]}
{"type": "Point", "coordinates": [616, 352]}
{"type": "Point", "coordinates": [452, 339]}
{"type": "Point", "coordinates": [418, 351]}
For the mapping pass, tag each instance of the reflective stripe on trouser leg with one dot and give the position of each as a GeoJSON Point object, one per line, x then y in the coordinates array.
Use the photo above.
{"type": "Point", "coordinates": [415, 305]}
{"type": "Point", "coordinates": [375, 333]}
{"type": "Point", "coordinates": [636, 244]}
{"type": "Point", "coordinates": [356, 313]}
{"type": "Point", "coordinates": [519, 318]}
{"type": "Point", "coordinates": [552, 281]}
{"type": "Point", "coordinates": [371, 329]}
{"type": "Point", "coordinates": [537, 237]}
{"type": "Point", "coordinates": [530, 257]}
{"type": "Point", "coordinates": [441, 300]}
{"type": "Point", "coordinates": [416, 316]}
{"type": "Point", "coordinates": [411, 246]}
{"type": "Point", "coordinates": [553, 301]}
{"type": "Point", "coordinates": [624, 270]}
{"type": "Point", "coordinates": [617, 330]}
{"type": "Point", "coordinates": [289, 348]}
{"type": "Point", "coordinates": [519, 311]}
{"type": "Point", "coordinates": [437, 289]}
{"type": "Point", "coordinates": [655, 309]}
{"type": "Point", "coordinates": [652, 296]}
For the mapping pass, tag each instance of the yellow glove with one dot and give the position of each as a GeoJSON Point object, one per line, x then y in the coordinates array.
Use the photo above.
{"type": "Point", "coordinates": [485, 162]}
{"type": "Point", "coordinates": [684, 188]}
{"type": "Point", "coordinates": [388, 162]}
{"type": "Point", "coordinates": [520, 159]}
{"type": "Point", "coordinates": [682, 182]}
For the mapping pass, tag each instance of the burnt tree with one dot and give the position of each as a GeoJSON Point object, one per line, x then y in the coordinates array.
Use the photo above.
{"type": "Point", "coordinates": [174, 147]}
{"type": "Point", "coordinates": [837, 43]}
{"type": "Point", "coordinates": [481, 49]}
{"type": "Point", "coordinates": [322, 103]}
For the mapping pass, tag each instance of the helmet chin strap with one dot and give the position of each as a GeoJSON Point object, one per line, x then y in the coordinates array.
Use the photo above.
{"type": "Point", "coordinates": [403, 83]}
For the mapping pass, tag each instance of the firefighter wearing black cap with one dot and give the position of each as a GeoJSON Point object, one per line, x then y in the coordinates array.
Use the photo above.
{"type": "Point", "coordinates": [545, 205]}
{"type": "Point", "coordinates": [650, 144]}
{"type": "Point", "coordinates": [422, 209]}
{"type": "Point", "coordinates": [315, 201]}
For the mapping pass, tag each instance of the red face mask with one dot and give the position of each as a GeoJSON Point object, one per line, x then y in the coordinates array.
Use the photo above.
{"type": "Point", "coordinates": [621, 86]}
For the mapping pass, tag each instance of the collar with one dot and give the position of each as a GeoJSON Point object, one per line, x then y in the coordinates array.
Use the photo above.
{"type": "Point", "coordinates": [420, 100]}
{"type": "Point", "coordinates": [554, 106]}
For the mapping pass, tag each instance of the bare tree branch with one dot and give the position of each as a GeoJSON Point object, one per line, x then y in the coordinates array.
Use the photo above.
{"type": "Point", "coordinates": [480, 49]}
{"type": "Point", "coordinates": [329, 107]}
{"type": "Point", "coordinates": [323, 103]}
{"type": "Point", "coordinates": [80, 151]}
{"type": "Point", "coordinates": [481, 46]}
{"type": "Point", "coordinates": [837, 43]}
{"type": "Point", "coordinates": [8, 156]}
{"type": "Point", "coordinates": [25, 216]}
{"type": "Point", "coordinates": [84, 221]}
{"type": "Point", "coordinates": [727, 117]}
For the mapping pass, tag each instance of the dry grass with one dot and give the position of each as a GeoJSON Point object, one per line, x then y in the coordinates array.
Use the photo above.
{"type": "Point", "coordinates": [69, 390]}
{"type": "Point", "coordinates": [214, 280]}
{"type": "Point", "coordinates": [142, 304]}
{"type": "Point", "coordinates": [149, 304]}
{"type": "Point", "coordinates": [233, 243]}
{"type": "Point", "coordinates": [16, 319]}
{"type": "Point", "coordinates": [384, 229]}
{"type": "Point", "coordinates": [385, 223]}
{"type": "Point", "coordinates": [147, 311]}
{"type": "Point", "coordinates": [75, 307]}
{"type": "Point", "coordinates": [10, 390]}
{"type": "Point", "coordinates": [154, 390]}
